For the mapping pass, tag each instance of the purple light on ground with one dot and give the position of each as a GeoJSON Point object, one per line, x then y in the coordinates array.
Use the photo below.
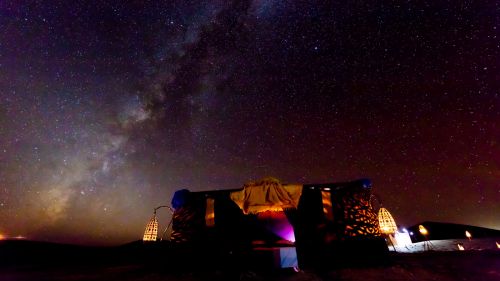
{"type": "Point", "coordinates": [286, 232]}
{"type": "Point", "coordinates": [278, 223]}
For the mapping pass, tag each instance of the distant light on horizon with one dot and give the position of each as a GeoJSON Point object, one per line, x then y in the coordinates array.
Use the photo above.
{"type": "Point", "coordinates": [468, 235]}
{"type": "Point", "coordinates": [422, 230]}
{"type": "Point", "coordinates": [5, 237]}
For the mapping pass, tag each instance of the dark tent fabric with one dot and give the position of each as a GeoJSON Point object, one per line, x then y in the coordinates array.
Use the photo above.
{"type": "Point", "coordinates": [330, 216]}
{"type": "Point", "coordinates": [181, 198]}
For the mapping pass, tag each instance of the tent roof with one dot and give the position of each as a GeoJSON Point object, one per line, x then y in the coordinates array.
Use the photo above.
{"type": "Point", "coordinates": [267, 194]}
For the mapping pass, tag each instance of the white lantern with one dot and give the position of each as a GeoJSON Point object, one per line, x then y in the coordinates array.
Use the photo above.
{"type": "Point", "coordinates": [386, 222]}
{"type": "Point", "coordinates": [151, 232]}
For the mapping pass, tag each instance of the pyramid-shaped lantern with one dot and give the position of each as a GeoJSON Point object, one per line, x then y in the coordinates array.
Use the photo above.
{"type": "Point", "coordinates": [386, 222]}
{"type": "Point", "coordinates": [151, 232]}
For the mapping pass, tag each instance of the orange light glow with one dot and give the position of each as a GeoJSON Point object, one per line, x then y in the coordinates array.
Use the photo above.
{"type": "Point", "coordinates": [498, 245]}
{"type": "Point", "coordinates": [326, 198]}
{"type": "Point", "coordinates": [423, 230]}
{"type": "Point", "coordinates": [2, 237]}
{"type": "Point", "coordinates": [151, 232]}
{"type": "Point", "coordinates": [460, 247]}
{"type": "Point", "coordinates": [386, 222]}
{"type": "Point", "coordinates": [468, 235]}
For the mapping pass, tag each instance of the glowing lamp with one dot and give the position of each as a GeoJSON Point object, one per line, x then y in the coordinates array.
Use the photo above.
{"type": "Point", "coordinates": [386, 222]}
{"type": "Point", "coordinates": [423, 230]}
{"type": "Point", "coordinates": [468, 235]}
{"type": "Point", "coordinates": [460, 247]}
{"type": "Point", "coordinates": [151, 232]}
{"type": "Point", "coordinates": [498, 245]}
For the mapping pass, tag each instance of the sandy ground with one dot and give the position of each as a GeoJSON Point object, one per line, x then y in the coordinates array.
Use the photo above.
{"type": "Point", "coordinates": [465, 265]}
{"type": "Point", "coordinates": [34, 261]}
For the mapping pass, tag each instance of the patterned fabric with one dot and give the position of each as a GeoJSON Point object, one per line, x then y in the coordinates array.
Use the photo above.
{"type": "Point", "coordinates": [359, 218]}
{"type": "Point", "coordinates": [187, 225]}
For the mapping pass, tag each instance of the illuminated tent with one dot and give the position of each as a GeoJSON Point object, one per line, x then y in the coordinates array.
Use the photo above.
{"type": "Point", "coordinates": [258, 206]}
{"type": "Point", "coordinates": [317, 219]}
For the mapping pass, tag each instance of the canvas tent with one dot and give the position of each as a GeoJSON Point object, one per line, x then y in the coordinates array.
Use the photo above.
{"type": "Point", "coordinates": [315, 219]}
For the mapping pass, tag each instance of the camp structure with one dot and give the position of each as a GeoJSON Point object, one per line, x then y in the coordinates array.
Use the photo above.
{"type": "Point", "coordinates": [281, 224]}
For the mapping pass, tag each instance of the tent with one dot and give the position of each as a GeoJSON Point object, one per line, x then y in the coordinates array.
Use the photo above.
{"type": "Point", "coordinates": [320, 221]}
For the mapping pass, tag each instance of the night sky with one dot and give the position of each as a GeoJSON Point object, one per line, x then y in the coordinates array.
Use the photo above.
{"type": "Point", "coordinates": [107, 108]}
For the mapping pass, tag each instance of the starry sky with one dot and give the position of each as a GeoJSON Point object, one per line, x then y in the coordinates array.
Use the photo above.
{"type": "Point", "coordinates": [108, 107]}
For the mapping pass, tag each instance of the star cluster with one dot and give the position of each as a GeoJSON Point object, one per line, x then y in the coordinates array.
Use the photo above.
{"type": "Point", "coordinates": [107, 107]}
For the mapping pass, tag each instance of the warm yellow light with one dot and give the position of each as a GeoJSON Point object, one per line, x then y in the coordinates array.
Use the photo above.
{"type": "Point", "coordinates": [468, 235]}
{"type": "Point", "coordinates": [151, 232]}
{"type": "Point", "coordinates": [386, 222]}
{"type": "Point", "coordinates": [326, 199]}
{"type": "Point", "coordinates": [498, 245]}
{"type": "Point", "coordinates": [423, 230]}
{"type": "Point", "coordinates": [460, 247]}
{"type": "Point", "coordinates": [209, 212]}
{"type": "Point", "coordinates": [2, 237]}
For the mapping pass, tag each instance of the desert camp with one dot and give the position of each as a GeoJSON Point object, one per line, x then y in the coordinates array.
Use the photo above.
{"type": "Point", "coordinates": [285, 225]}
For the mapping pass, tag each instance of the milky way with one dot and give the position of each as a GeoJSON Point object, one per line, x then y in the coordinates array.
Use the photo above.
{"type": "Point", "coordinates": [107, 108]}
